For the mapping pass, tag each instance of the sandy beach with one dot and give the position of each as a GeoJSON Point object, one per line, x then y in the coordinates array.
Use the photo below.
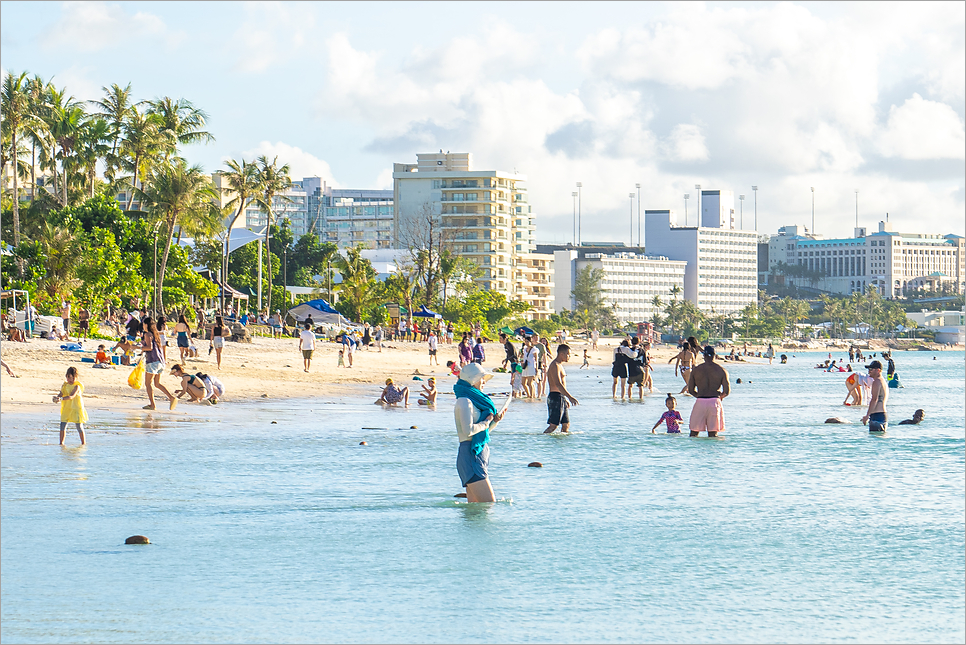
{"type": "Point", "coordinates": [264, 368]}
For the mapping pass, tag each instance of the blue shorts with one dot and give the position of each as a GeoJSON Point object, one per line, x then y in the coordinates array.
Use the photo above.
{"type": "Point", "coordinates": [878, 422]}
{"type": "Point", "coordinates": [472, 468]}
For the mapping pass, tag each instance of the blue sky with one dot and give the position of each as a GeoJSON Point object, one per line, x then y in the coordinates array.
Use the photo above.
{"type": "Point", "coordinates": [787, 96]}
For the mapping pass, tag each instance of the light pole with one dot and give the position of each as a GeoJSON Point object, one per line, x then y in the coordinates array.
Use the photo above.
{"type": "Point", "coordinates": [574, 195]}
{"type": "Point", "coordinates": [697, 189]}
{"type": "Point", "coordinates": [638, 187]}
{"type": "Point", "coordinates": [687, 196]}
{"type": "Point", "coordinates": [755, 188]}
{"type": "Point", "coordinates": [813, 210]}
{"type": "Point", "coordinates": [579, 186]}
{"type": "Point", "coordinates": [154, 296]}
{"type": "Point", "coordinates": [856, 208]}
{"type": "Point", "coordinates": [632, 196]}
{"type": "Point", "coordinates": [741, 211]}
{"type": "Point", "coordinates": [285, 269]}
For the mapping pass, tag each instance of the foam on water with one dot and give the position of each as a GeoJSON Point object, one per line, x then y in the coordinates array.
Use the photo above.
{"type": "Point", "coordinates": [784, 530]}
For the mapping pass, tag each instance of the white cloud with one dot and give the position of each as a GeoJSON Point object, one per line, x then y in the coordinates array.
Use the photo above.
{"type": "Point", "coordinates": [922, 129]}
{"type": "Point", "coordinates": [95, 26]}
{"type": "Point", "coordinates": [301, 163]}
{"type": "Point", "coordinates": [272, 34]}
{"type": "Point", "coordinates": [686, 143]}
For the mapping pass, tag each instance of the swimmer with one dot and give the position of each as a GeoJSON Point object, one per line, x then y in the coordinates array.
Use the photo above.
{"type": "Point", "coordinates": [916, 419]}
{"type": "Point", "coordinates": [391, 395]}
{"type": "Point", "coordinates": [672, 417]}
{"type": "Point", "coordinates": [428, 395]}
{"type": "Point", "coordinates": [835, 420]}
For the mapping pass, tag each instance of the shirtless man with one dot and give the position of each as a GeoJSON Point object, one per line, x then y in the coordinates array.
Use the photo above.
{"type": "Point", "coordinates": [559, 399]}
{"type": "Point", "coordinates": [704, 384]}
{"type": "Point", "coordinates": [877, 415]}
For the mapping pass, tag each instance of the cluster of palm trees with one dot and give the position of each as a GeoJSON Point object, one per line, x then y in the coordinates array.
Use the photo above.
{"type": "Point", "coordinates": [869, 309]}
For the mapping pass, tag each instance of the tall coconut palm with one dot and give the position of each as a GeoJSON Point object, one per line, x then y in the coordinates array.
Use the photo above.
{"type": "Point", "coordinates": [173, 192]}
{"type": "Point", "coordinates": [242, 180]}
{"type": "Point", "coordinates": [181, 123]}
{"type": "Point", "coordinates": [17, 119]}
{"type": "Point", "coordinates": [39, 92]}
{"type": "Point", "coordinates": [116, 107]}
{"type": "Point", "coordinates": [359, 285]}
{"type": "Point", "coordinates": [91, 147]}
{"type": "Point", "coordinates": [142, 140]}
{"type": "Point", "coordinates": [272, 180]}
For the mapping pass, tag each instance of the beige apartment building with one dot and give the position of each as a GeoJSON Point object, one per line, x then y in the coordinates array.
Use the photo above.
{"type": "Point", "coordinates": [483, 215]}
{"type": "Point", "coordinates": [533, 283]}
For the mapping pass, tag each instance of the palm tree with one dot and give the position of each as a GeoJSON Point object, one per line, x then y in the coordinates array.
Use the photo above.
{"type": "Point", "coordinates": [272, 180]}
{"type": "Point", "coordinates": [174, 192]}
{"type": "Point", "coordinates": [39, 93]}
{"type": "Point", "coordinates": [61, 250]}
{"type": "Point", "coordinates": [358, 283]}
{"type": "Point", "coordinates": [65, 119]}
{"type": "Point", "coordinates": [142, 140]}
{"type": "Point", "coordinates": [17, 119]}
{"type": "Point", "coordinates": [241, 179]}
{"type": "Point", "coordinates": [91, 147]}
{"type": "Point", "coordinates": [116, 106]}
{"type": "Point", "coordinates": [181, 123]}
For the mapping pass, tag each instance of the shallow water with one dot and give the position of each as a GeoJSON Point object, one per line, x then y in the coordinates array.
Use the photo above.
{"type": "Point", "coordinates": [786, 530]}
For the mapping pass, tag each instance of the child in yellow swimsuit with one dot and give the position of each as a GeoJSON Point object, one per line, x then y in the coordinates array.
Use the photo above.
{"type": "Point", "coordinates": [72, 406]}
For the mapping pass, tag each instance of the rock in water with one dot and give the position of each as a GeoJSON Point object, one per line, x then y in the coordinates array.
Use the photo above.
{"type": "Point", "coordinates": [462, 495]}
{"type": "Point", "coordinates": [363, 443]}
{"type": "Point", "coordinates": [534, 464]}
{"type": "Point", "coordinates": [137, 539]}
{"type": "Point", "coordinates": [413, 427]}
{"type": "Point", "coordinates": [274, 423]}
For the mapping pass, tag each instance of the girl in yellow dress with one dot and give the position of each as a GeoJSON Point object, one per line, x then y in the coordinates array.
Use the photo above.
{"type": "Point", "coordinates": [72, 406]}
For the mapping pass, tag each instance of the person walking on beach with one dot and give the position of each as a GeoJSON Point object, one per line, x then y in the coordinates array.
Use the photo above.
{"type": "Point", "coordinates": [594, 337]}
{"type": "Point", "coordinates": [218, 339]}
{"type": "Point", "coordinates": [307, 344]}
{"type": "Point", "coordinates": [65, 317]}
{"type": "Point", "coordinates": [559, 399]}
{"type": "Point", "coordinates": [182, 329]}
{"type": "Point", "coordinates": [433, 343]}
{"type": "Point", "coordinates": [153, 364]}
{"type": "Point", "coordinates": [72, 409]}
{"type": "Point", "coordinates": [877, 416]}
{"type": "Point", "coordinates": [709, 384]}
{"type": "Point", "coordinates": [476, 415]}
{"type": "Point", "coordinates": [510, 362]}
{"type": "Point", "coordinates": [83, 322]}
{"type": "Point", "coordinates": [377, 337]}
{"type": "Point", "coordinates": [478, 353]}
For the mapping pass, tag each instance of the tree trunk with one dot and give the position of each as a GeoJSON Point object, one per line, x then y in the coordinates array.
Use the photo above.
{"type": "Point", "coordinates": [268, 252]}
{"type": "Point", "coordinates": [16, 197]}
{"type": "Point", "coordinates": [164, 262]}
{"type": "Point", "coordinates": [134, 181]}
{"type": "Point", "coordinates": [33, 173]}
{"type": "Point", "coordinates": [64, 164]}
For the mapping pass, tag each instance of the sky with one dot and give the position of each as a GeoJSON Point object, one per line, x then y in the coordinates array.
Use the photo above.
{"type": "Point", "coordinates": [842, 97]}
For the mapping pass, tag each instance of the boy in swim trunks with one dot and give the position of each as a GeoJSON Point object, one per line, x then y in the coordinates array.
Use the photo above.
{"type": "Point", "coordinates": [558, 399]}
{"type": "Point", "coordinates": [708, 383]}
{"type": "Point", "coordinates": [876, 415]}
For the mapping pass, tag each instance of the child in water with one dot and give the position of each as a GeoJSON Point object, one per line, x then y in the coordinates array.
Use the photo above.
{"type": "Point", "coordinates": [72, 406]}
{"type": "Point", "coordinates": [517, 381]}
{"type": "Point", "coordinates": [428, 395]}
{"type": "Point", "coordinates": [586, 360]}
{"type": "Point", "coordinates": [672, 417]}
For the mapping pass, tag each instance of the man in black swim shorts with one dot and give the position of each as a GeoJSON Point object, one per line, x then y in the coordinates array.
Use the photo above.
{"type": "Point", "coordinates": [558, 399]}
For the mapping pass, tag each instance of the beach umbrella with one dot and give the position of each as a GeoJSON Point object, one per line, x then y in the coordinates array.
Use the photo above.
{"type": "Point", "coordinates": [524, 331]}
{"type": "Point", "coordinates": [320, 311]}
{"type": "Point", "coordinates": [507, 331]}
{"type": "Point", "coordinates": [425, 313]}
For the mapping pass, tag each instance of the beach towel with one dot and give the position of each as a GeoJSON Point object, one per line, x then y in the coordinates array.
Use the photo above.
{"type": "Point", "coordinates": [72, 347]}
{"type": "Point", "coordinates": [482, 402]}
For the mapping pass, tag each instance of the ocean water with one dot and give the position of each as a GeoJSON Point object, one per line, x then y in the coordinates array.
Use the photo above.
{"type": "Point", "coordinates": [785, 530]}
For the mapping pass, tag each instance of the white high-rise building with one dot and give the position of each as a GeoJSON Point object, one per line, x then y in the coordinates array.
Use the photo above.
{"type": "Point", "coordinates": [722, 262]}
{"type": "Point", "coordinates": [483, 215]}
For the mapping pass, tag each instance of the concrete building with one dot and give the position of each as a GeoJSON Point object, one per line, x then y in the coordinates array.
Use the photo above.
{"type": "Point", "coordinates": [354, 217]}
{"type": "Point", "coordinates": [722, 262]}
{"type": "Point", "coordinates": [291, 204]}
{"type": "Point", "coordinates": [631, 279]}
{"type": "Point", "coordinates": [533, 282]}
{"type": "Point", "coordinates": [483, 215]}
{"type": "Point", "coordinates": [894, 263]}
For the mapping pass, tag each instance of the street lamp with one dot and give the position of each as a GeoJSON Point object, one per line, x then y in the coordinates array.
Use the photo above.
{"type": "Point", "coordinates": [632, 196]}
{"type": "Point", "coordinates": [755, 188]}
{"type": "Point", "coordinates": [574, 195]}
{"type": "Point", "coordinates": [741, 207]}
{"type": "Point", "coordinates": [687, 196]}
{"type": "Point", "coordinates": [638, 187]}
{"type": "Point", "coordinates": [813, 210]}
{"type": "Point", "coordinates": [579, 186]}
{"type": "Point", "coordinates": [697, 189]}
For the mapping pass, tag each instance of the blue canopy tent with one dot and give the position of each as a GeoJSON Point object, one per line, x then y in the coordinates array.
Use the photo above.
{"type": "Point", "coordinates": [425, 313]}
{"type": "Point", "coordinates": [320, 311]}
{"type": "Point", "coordinates": [524, 331]}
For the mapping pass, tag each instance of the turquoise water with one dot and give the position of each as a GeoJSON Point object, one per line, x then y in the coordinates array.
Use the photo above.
{"type": "Point", "coordinates": [786, 530]}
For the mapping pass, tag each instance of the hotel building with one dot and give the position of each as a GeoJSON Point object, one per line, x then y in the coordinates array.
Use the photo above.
{"type": "Point", "coordinates": [353, 217]}
{"type": "Point", "coordinates": [483, 215]}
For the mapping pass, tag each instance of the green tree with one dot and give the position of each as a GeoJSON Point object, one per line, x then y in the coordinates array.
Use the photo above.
{"type": "Point", "coordinates": [359, 290]}
{"type": "Point", "coordinates": [142, 142]}
{"type": "Point", "coordinates": [17, 120]}
{"type": "Point", "coordinates": [106, 273]}
{"type": "Point", "coordinates": [241, 178]}
{"type": "Point", "coordinates": [116, 107]}
{"type": "Point", "coordinates": [272, 180]}
{"type": "Point", "coordinates": [589, 301]}
{"type": "Point", "coordinates": [180, 123]}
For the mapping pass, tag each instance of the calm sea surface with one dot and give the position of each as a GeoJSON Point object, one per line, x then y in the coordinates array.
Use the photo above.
{"type": "Point", "coordinates": [786, 530]}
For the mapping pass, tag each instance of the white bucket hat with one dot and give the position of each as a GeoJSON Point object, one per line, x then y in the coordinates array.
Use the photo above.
{"type": "Point", "coordinates": [474, 372]}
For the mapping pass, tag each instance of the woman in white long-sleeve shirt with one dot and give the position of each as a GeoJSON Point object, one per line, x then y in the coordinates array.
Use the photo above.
{"type": "Point", "coordinates": [475, 416]}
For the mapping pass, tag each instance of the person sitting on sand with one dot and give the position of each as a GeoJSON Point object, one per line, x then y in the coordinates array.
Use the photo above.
{"type": "Point", "coordinates": [428, 395]}
{"type": "Point", "coordinates": [101, 360]}
{"type": "Point", "coordinates": [454, 369]}
{"type": "Point", "coordinates": [916, 419]}
{"type": "Point", "coordinates": [391, 395]}
{"type": "Point", "coordinates": [672, 417]}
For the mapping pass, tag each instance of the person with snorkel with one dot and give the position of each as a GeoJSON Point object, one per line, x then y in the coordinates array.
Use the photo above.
{"type": "Point", "coordinates": [476, 415]}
